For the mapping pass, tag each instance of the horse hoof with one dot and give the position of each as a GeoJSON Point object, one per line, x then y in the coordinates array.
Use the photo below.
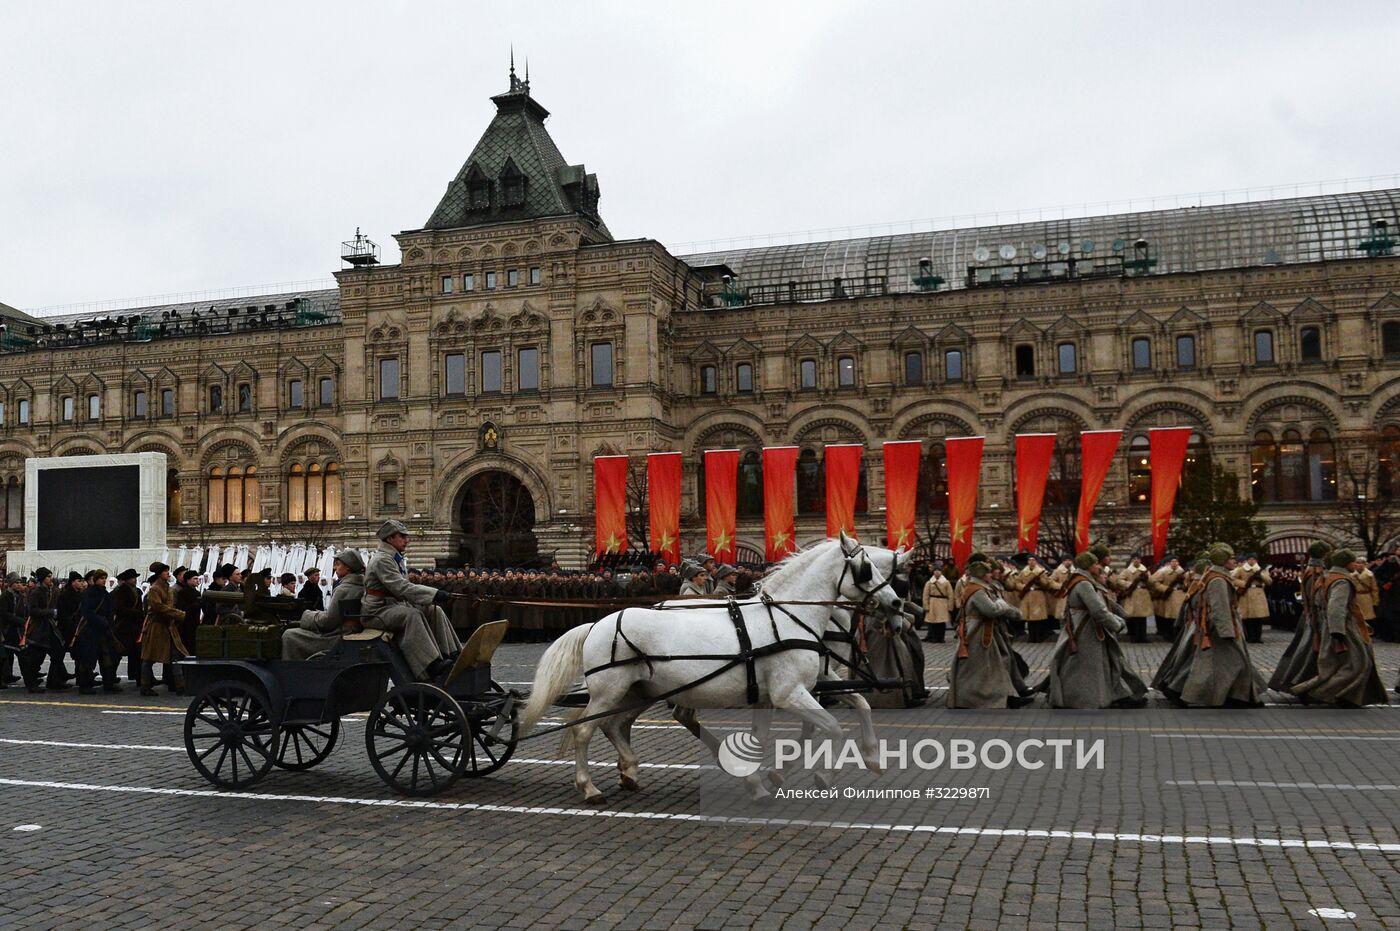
{"type": "Point", "coordinates": [597, 798]}
{"type": "Point", "coordinates": [629, 784]}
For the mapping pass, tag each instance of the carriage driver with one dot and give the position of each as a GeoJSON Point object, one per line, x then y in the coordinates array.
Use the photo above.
{"type": "Point", "coordinates": [391, 602]}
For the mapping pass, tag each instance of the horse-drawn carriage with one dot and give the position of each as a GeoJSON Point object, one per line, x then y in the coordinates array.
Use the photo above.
{"type": "Point", "coordinates": [251, 710]}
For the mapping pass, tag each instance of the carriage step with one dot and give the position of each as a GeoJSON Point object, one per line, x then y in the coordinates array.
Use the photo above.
{"type": "Point", "coordinates": [841, 686]}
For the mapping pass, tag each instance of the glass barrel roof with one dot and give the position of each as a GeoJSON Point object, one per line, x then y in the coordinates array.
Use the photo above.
{"type": "Point", "coordinates": [1190, 239]}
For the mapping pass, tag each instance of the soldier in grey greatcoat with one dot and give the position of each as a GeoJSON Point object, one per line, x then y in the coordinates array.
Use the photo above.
{"type": "Point", "coordinates": [1346, 663]}
{"type": "Point", "coordinates": [413, 612]}
{"type": "Point", "coordinates": [1216, 670]}
{"type": "Point", "coordinates": [1299, 661]}
{"type": "Point", "coordinates": [318, 631]}
{"type": "Point", "coordinates": [984, 674]}
{"type": "Point", "coordinates": [1087, 669]}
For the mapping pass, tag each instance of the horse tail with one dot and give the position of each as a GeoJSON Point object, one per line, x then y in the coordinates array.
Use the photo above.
{"type": "Point", "coordinates": [559, 668]}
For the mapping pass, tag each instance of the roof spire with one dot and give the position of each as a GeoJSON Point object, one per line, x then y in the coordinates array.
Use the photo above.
{"type": "Point", "coordinates": [518, 86]}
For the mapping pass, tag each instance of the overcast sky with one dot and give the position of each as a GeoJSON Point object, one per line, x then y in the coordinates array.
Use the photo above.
{"type": "Point", "coordinates": [151, 148]}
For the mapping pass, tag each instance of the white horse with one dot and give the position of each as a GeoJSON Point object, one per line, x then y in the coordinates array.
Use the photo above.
{"type": "Point", "coordinates": [624, 656]}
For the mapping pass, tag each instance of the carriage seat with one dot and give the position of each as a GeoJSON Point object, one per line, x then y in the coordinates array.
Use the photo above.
{"type": "Point", "coordinates": [369, 633]}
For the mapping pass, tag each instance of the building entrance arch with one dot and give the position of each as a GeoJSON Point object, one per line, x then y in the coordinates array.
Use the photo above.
{"type": "Point", "coordinates": [496, 515]}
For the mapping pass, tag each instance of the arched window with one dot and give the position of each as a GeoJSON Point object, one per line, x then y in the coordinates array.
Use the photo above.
{"type": "Point", "coordinates": [933, 480]}
{"type": "Point", "coordinates": [1263, 347]}
{"type": "Point", "coordinates": [811, 483]}
{"type": "Point", "coordinates": [913, 368]}
{"type": "Point", "coordinates": [233, 495]}
{"type": "Point", "coordinates": [808, 373]}
{"type": "Point", "coordinates": [750, 490]}
{"type": "Point", "coordinates": [313, 492]}
{"type": "Point", "coordinates": [173, 499]}
{"type": "Point", "coordinates": [1139, 471]}
{"type": "Point", "coordinates": [953, 365]}
{"type": "Point", "coordinates": [743, 378]}
{"type": "Point", "coordinates": [1388, 452]}
{"type": "Point", "coordinates": [13, 512]}
{"type": "Point", "coordinates": [1142, 354]}
{"type": "Point", "coordinates": [1067, 358]}
{"type": "Point", "coordinates": [709, 383]}
{"type": "Point", "coordinates": [846, 371]}
{"type": "Point", "coordinates": [1310, 344]}
{"type": "Point", "coordinates": [1263, 467]}
{"type": "Point", "coordinates": [1186, 352]}
{"type": "Point", "coordinates": [1322, 467]}
{"type": "Point", "coordinates": [1390, 338]}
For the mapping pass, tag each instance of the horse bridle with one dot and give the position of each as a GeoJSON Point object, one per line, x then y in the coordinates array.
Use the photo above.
{"type": "Point", "coordinates": [868, 593]}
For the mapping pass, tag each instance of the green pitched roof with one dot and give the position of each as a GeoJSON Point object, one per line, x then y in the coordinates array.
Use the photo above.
{"type": "Point", "coordinates": [516, 150]}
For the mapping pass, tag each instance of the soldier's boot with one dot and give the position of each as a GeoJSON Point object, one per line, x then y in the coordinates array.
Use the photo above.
{"type": "Point", "coordinates": [1254, 630]}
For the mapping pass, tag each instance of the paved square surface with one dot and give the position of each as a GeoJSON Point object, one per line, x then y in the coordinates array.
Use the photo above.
{"type": "Point", "coordinates": [1209, 819]}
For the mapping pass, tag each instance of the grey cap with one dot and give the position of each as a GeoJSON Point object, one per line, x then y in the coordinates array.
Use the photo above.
{"type": "Point", "coordinates": [690, 570]}
{"type": "Point", "coordinates": [391, 527]}
{"type": "Point", "coordinates": [352, 560]}
{"type": "Point", "coordinates": [724, 569]}
{"type": "Point", "coordinates": [11, 578]}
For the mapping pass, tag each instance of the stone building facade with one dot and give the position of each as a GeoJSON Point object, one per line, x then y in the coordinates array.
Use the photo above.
{"type": "Point", "coordinates": [466, 389]}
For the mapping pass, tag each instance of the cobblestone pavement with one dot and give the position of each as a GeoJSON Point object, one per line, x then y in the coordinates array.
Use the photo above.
{"type": "Point", "coordinates": [1209, 819]}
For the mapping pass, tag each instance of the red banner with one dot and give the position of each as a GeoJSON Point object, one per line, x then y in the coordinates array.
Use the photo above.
{"type": "Point", "coordinates": [779, 511]}
{"type": "Point", "coordinates": [1097, 448]}
{"type": "Point", "coordinates": [664, 504]}
{"type": "Point", "coordinates": [842, 481]}
{"type": "Point", "coordinates": [1167, 449]}
{"type": "Point", "coordinates": [610, 501]}
{"type": "Point", "coordinates": [1033, 454]}
{"type": "Point", "coordinates": [721, 502]}
{"type": "Point", "coordinates": [901, 492]}
{"type": "Point", "coordinates": [964, 469]}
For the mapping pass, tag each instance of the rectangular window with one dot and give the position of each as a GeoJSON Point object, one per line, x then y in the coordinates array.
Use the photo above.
{"type": "Point", "coordinates": [295, 398]}
{"type": "Point", "coordinates": [913, 368]}
{"type": "Point", "coordinates": [602, 364]}
{"type": "Point", "coordinates": [527, 373]}
{"type": "Point", "coordinates": [245, 398]}
{"type": "Point", "coordinates": [67, 410]}
{"type": "Point", "coordinates": [446, 284]}
{"type": "Point", "coordinates": [138, 404]}
{"type": "Point", "coordinates": [1142, 354]}
{"type": "Point", "coordinates": [391, 494]}
{"type": "Point", "coordinates": [1186, 352]}
{"type": "Point", "coordinates": [1310, 344]}
{"type": "Point", "coordinates": [388, 379]}
{"type": "Point", "coordinates": [455, 374]}
{"type": "Point", "coordinates": [513, 278]}
{"type": "Point", "coordinates": [808, 373]}
{"type": "Point", "coordinates": [953, 365]}
{"type": "Point", "coordinates": [94, 407]}
{"type": "Point", "coordinates": [743, 378]}
{"type": "Point", "coordinates": [708, 379]}
{"type": "Point", "coordinates": [327, 392]}
{"type": "Point", "coordinates": [24, 410]}
{"type": "Point", "coordinates": [216, 399]}
{"type": "Point", "coordinates": [535, 275]}
{"type": "Point", "coordinates": [491, 371]}
{"type": "Point", "coordinates": [1263, 347]}
{"type": "Point", "coordinates": [846, 371]}
{"type": "Point", "coordinates": [1068, 361]}
{"type": "Point", "coordinates": [167, 402]}
{"type": "Point", "coordinates": [469, 282]}
{"type": "Point", "coordinates": [1025, 361]}
{"type": "Point", "coordinates": [490, 281]}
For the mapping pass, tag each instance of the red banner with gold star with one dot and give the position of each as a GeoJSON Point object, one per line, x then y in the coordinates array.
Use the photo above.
{"type": "Point", "coordinates": [610, 502]}
{"type": "Point", "coordinates": [964, 469]}
{"type": "Point", "coordinates": [901, 492]}
{"type": "Point", "coordinates": [721, 502]}
{"type": "Point", "coordinates": [779, 512]}
{"type": "Point", "coordinates": [842, 482]}
{"type": "Point", "coordinates": [1033, 454]}
{"type": "Point", "coordinates": [664, 504]}
{"type": "Point", "coordinates": [1096, 451]}
{"type": "Point", "coordinates": [1167, 450]}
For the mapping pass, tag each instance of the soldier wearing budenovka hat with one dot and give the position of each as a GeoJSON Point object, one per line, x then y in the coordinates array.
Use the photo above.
{"type": "Point", "coordinates": [41, 637]}
{"type": "Point", "coordinates": [160, 633]}
{"type": "Point", "coordinates": [425, 635]}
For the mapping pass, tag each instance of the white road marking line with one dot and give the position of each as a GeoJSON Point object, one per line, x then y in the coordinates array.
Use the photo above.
{"type": "Point", "coordinates": [1271, 843]}
{"type": "Point", "coordinates": [1376, 787]}
{"type": "Point", "coordinates": [28, 827]}
{"type": "Point", "coordinates": [516, 759]}
{"type": "Point", "coordinates": [1187, 736]}
{"type": "Point", "coordinates": [180, 713]}
{"type": "Point", "coordinates": [1340, 913]}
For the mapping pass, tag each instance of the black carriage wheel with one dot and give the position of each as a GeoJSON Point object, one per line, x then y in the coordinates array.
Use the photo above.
{"type": "Point", "coordinates": [229, 734]}
{"type": "Point", "coordinates": [305, 745]}
{"type": "Point", "coordinates": [492, 745]}
{"type": "Point", "coordinates": [415, 737]}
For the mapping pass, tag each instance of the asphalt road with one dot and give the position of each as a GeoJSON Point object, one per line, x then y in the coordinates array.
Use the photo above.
{"type": "Point", "coordinates": [1197, 818]}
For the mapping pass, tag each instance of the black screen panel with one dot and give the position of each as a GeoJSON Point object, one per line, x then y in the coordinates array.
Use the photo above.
{"type": "Point", "coordinates": [95, 508]}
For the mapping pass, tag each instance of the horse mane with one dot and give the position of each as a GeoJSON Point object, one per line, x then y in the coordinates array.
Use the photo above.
{"type": "Point", "coordinates": [793, 566]}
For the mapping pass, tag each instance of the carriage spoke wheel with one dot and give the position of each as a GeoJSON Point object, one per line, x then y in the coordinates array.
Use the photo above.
{"type": "Point", "coordinates": [493, 733]}
{"type": "Point", "coordinates": [305, 745]}
{"type": "Point", "coordinates": [229, 734]}
{"type": "Point", "coordinates": [416, 738]}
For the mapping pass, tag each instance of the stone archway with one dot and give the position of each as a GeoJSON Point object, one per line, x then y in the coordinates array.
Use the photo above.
{"type": "Point", "coordinates": [496, 515]}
